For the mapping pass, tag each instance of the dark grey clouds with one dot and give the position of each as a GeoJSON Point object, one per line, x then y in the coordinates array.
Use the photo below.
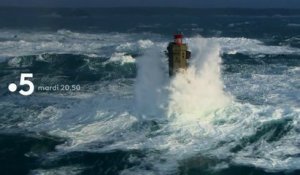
{"type": "Point", "coordinates": [163, 3]}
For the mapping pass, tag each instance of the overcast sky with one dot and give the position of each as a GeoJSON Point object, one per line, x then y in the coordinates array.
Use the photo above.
{"type": "Point", "coordinates": [149, 3]}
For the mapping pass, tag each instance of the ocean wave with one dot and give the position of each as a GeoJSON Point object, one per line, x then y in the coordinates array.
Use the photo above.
{"type": "Point", "coordinates": [293, 25]}
{"type": "Point", "coordinates": [252, 47]}
{"type": "Point", "coordinates": [18, 43]}
{"type": "Point", "coordinates": [70, 170]}
{"type": "Point", "coordinates": [53, 15]}
{"type": "Point", "coordinates": [121, 58]}
{"type": "Point", "coordinates": [194, 121]}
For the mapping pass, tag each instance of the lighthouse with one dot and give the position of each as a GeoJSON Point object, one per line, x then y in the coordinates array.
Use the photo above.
{"type": "Point", "coordinates": [178, 54]}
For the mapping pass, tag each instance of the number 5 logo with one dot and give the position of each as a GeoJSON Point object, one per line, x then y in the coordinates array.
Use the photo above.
{"type": "Point", "coordinates": [23, 81]}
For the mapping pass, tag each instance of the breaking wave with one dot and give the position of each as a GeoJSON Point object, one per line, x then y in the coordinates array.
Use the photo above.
{"type": "Point", "coordinates": [199, 91]}
{"type": "Point", "coordinates": [190, 119]}
{"type": "Point", "coordinates": [105, 44]}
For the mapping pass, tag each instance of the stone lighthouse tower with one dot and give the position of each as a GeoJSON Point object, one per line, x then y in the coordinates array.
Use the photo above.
{"type": "Point", "coordinates": [178, 54]}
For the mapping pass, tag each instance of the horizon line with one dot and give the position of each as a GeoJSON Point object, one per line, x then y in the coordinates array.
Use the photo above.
{"type": "Point", "coordinates": [109, 7]}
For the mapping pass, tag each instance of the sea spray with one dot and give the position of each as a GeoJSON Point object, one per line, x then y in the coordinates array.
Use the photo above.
{"type": "Point", "coordinates": [151, 82]}
{"type": "Point", "coordinates": [198, 91]}
{"type": "Point", "coordinates": [186, 100]}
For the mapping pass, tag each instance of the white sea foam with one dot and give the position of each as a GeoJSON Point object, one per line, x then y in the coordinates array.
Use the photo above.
{"type": "Point", "coordinates": [199, 90]}
{"type": "Point", "coordinates": [251, 46]}
{"type": "Point", "coordinates": [150, 82]}
{"type": "Point", "coordinates": [190, 100]}
{"type": "Point", "coordinates": [16, 43]}
{"type": "Point", "coordinates": [63, 41]}
{"type": "Point", "coordinates": [205, 117]}
{"type": "Point", "coordinates": [203, 120]}
{"type": "Point", "coordinates": [65, 170]}
{"type": "Point", "coordinates": [121, 58]}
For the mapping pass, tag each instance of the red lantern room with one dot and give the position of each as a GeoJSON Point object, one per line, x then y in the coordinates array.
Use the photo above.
{"type": "Point", "coordinates": [178, 39]}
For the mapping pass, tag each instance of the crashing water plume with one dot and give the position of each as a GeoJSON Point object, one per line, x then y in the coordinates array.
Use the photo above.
{"type": "Point", "coordinates": [194, 93]}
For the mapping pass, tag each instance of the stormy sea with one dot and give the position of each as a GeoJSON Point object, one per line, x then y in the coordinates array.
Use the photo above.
{"type": "Point", "coordinates": [235, 111]}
